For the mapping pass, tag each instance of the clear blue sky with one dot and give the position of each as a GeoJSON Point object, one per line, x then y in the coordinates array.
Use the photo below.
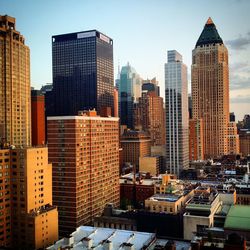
{"type": "Point", "coordinates": [142, 30]}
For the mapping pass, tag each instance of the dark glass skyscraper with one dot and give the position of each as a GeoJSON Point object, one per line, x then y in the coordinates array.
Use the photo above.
{"type": "Point", "coordinates": [82, 73]}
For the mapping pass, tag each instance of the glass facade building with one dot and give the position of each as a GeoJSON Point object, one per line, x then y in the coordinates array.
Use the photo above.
{"type": "Point", "coordinates": [129, 93]}
{"type": "Point", "coordinates": [82, 73]}
{"type": "Point", "coordinates": [176, 103]}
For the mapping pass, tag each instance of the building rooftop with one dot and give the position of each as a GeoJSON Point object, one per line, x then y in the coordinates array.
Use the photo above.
{"type": "Point", "coordinates": [161, 243]}
{"type": "Point", "coordinates": [165, 197]}
{"type": "Point", "coordinates": [86, 237]}
{"type": "Point", "coordinates": [238, 218]}
{"type": "Point", "coordinates": [209, 34]}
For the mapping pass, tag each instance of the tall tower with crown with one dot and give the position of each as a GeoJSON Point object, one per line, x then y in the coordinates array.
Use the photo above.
{"type": "Point", "coordinates": [210, 89]}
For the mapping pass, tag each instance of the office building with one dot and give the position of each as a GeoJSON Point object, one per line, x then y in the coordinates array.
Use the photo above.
{"type": "Point", "coordinates": [196, 145]}
{"type": "Point", "coordinates": [151, 85]}
{"type": "Point", "coordinates": [37, 118]}
{"type": "Point", "coordinates": [82, 73]}
{"type": "Point", "coordinates": [149, 116]}
{"type": "Point", "coordinates": [84, 150]}
{"type": "Point", "coordinates": [15, 124]}
{"type": "Point", "coordinates": [210, 90]}
{"type": "Point", "coordinates": [135, 144]}
{"type": "Point", "coordinates": [129, 93]}
{"type": "Point", "coordinates": [176, 103]}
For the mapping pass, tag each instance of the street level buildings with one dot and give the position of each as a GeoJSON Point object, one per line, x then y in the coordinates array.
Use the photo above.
{"type": "Point", "coordinates": [176, 103]}
{"type": "Point", "coordinates": [15, 124]}
{"type": "Point", "coordinates": [210, 90]}
{"type": "Point", "coordinates": [82, 73]}
{"type": "Point", "coordinates": [84, 150]}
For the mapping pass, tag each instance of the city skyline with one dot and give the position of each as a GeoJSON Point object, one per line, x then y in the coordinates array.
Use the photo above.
{"type": "Point", "coordinates": [148, 33]}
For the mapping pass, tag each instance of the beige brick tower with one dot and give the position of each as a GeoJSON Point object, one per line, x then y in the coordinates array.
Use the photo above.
{"type": "Point", "coordinates": [14, 85]}
{"type": "Point", "coordinates": [210, 89]}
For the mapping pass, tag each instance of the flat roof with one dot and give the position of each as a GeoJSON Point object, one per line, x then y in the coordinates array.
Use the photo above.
{"type": "Point", "coordinates": [82, 117]}
{"type": "Point", "coordinates": [165, 197]}
{"type": "Point", "coordinates": [99, 236]}
{"type": "Point", "coordinates": [238, 217]}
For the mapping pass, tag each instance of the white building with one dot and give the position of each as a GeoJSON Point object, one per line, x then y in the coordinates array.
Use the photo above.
{"type": "Point", "coordinates": [176, 103]}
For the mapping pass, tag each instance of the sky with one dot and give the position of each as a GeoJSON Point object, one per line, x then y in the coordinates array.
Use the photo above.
{"type": "Point", "coordinates": [143, 31]}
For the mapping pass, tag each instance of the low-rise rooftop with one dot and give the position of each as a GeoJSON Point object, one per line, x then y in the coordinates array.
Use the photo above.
{"type": "Point", "coordinates": [86, 237]}
{"type": "Point", "coordinates": [238, 218]}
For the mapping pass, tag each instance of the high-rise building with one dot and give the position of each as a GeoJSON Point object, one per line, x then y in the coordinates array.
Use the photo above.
{"type": "Point", "coordinates": [37, 118]}
{"type": "Point", "coordinates": [135, 144]}
{"type": "Point", "coordinates": [129, 93]}
{"type": "Point", "coordinates": [210, 90]}
{"type": "Point", "coordinates": [28, 218]}
{"type": "Point", "coordinates": [176, 103]}
{"type": "Point", "coordinates": [196, 145]}
{"type": "Point", "coordinates": [84, 150]}
{"type": "Point", "coordinates": [15, 125]}
{"type": "Point", "coordinates": [82, 73]}
{"type": "Point", "coordinates": [149, 116]}
{"type": "Point", "coordinates": [151, 85]}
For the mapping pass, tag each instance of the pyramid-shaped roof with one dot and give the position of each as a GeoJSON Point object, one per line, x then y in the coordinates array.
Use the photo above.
{"type": "Point", "coordinates": [209, 35]}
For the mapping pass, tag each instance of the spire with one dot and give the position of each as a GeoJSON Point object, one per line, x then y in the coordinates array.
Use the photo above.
{"type": "Point", "coordinates": [209, 21]}
{"type": "Point", "coordinates": [209, 34]}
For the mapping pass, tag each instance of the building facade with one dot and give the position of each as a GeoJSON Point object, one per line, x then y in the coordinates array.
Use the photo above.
{"type": "Point", "coordinates": [129, 92]}
{"type": "Point", "coordinates": [196, 145]}
{"type": "Point", "coordinates": [149, 115]}
{"type": "Point", "coordinates": [176, 103]}
{"type": "Point", "coordinates": [15, 124]}
{"type": "Point", "coordinates": [34, 218]}
{"type": "Point", "coordinates": [244, 137]}
{"type": "Point", "coordinates": [82, 73]}
{"type": "Point", "coordinates": [210, 89]}
{"type": "Point", "coordinates": [84, 150]}
{"type": "Point", "coordinates": [29, 219]}
{"type": "Point", "coordinates": [135, 144]}
{"type": "Point", "coordinates": [37, 118]}
{"type": "Point", "coordinates": [233, 139]}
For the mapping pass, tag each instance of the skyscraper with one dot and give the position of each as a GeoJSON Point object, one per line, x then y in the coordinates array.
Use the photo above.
{"type": "Point", "coordinates": [210, 89]}
{"type": "Point", "coordinates": [15, 125]}
{"type": "Point", "coordinates": [84, 150]}
{"type": "Point", "coordinates": [27, 217]}
{"type": "Point", "coordinates": [129, 92]}
{"type": "Point", "coordinates": [82, 73]}
{"type": "Point", "coordinates": [176, 102]}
